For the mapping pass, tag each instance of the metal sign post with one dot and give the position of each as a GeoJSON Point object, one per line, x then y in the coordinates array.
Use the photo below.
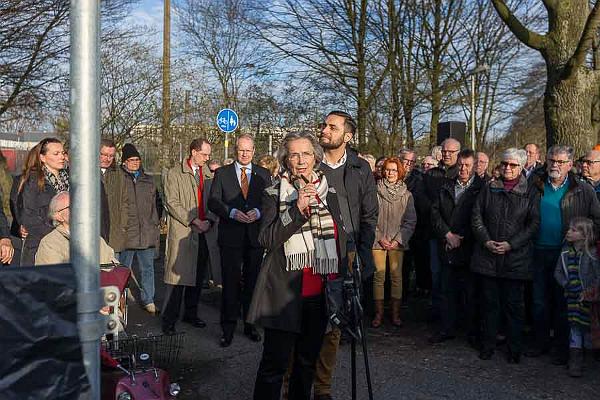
{"type": "Point", "coordinates": [85, 178]}
{"type": "Point", "coordinates": [227, 121]}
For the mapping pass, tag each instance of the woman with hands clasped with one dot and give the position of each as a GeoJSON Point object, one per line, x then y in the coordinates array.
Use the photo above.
{"type": "Point", "coordinates": [395, 226]}
{"type": "Point", "coordinates": [305, 250]}
{"type": "Point", "coordinates": [505, 218]}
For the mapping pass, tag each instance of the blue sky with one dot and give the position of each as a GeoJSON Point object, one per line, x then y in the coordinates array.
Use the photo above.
{"type": "Point", "coordinates": [148, 12]}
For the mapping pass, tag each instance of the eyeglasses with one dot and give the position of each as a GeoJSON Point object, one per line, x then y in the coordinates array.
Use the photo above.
{"type": "Point", "coordinates": [409, 162]}
{"type": "Point", "coordinates": [296, 156]}
{"type": "Point", "coordinates": [213, 170]}
{"type": "Point", "coordinates": [391, 170]}
{"type": "Point", "coordinates": [62, 209]}
{"type": "Point", "coordinates": [449, 151]}
{"type": "Point", "coordinates": [505, 164]}
{"type": "Point", "coordinates": [559, 162]}
{"type": "Point", "coordinates": [591, 162]}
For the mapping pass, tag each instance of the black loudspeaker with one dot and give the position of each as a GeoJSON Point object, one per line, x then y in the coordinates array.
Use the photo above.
{"type": "Point", "coordinates": [452, 129]}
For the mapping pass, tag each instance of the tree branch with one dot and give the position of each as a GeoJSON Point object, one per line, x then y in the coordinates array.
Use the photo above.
{"type": "Point", "coordinates": [550, 5]}
{"type": "Point", "coordinates": [529, 38]}
{"type": "Point", "coordinates": [586, 40]}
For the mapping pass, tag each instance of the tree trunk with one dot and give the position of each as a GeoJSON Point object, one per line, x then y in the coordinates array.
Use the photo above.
{"type": "Point", "coordinates": [568, 109]}
{"type": "Point", "coordinates": [436, 104]}
{"type": "Point", "coordinates": [572, 84]}
{"type": "Point", "coordinates": [362, 103]}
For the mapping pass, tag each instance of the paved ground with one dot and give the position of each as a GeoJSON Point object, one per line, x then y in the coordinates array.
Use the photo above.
{"type": "Point", "coordinates": [403, 365]}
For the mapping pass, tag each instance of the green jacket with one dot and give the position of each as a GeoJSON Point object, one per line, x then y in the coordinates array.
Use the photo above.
{"type": "Point", "coordinates": [116, 192]}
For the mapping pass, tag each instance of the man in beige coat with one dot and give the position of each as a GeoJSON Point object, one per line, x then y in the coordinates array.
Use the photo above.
{"type": "Point", "coordinates": [54, 247]}
{"type": "Point", "coordinates": [186, 188]}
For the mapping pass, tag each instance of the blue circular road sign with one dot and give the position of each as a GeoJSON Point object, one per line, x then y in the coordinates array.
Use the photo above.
{"type": "Point", "coordinates": [227, 120]}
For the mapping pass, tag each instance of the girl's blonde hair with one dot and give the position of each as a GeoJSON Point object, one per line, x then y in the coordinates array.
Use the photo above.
{"type": "Point", "coordinates": [586, 227]}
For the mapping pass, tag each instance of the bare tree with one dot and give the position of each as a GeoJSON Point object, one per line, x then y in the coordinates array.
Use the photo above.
{"type": "Point", "coordinates": [216, 34]}
{"type": "Point", "coordinates": [130, 82]}
{"type": "Point", "coordinates": [34, 51]}
{"type": "Point", "coordinates": [401, 33]}
{"type": "Point", "coordinates": [334, 40]}
{"type": "Point", "coordinates": [32, 47]}
{"type": "Point", "coordinates": [570, 51]}
{"type": "Point", "coordinates": [485, 41]}
{"type": "Point", "coordinates": [440, 20]}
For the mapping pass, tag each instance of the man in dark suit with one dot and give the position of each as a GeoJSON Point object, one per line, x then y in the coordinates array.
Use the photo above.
{"type": "Point", "coordinates": [236, 196]}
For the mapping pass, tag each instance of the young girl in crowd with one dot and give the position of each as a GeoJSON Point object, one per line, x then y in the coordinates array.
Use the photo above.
{"type": "Point", "coordinates": [578, 272]}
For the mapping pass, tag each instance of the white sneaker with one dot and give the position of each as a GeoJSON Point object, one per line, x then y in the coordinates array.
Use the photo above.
{"type": "Point", "coordinates": [151, 308]}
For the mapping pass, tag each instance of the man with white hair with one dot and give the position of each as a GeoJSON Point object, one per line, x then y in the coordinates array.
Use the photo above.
{"type": "Point", "coordinates": [54, 247]}
{"type": "Point", "coordinates": [562, 197]}
{"type": "Point", "coordinates": [482, 161]}
{"type": "Point", "coordinates": [428, 163]}
{"type": "Point", "coordinates": [590, 169]}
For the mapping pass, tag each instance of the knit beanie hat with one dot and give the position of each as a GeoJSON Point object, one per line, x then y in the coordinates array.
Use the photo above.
{"type": "Point", "coordinates": [129, 151]}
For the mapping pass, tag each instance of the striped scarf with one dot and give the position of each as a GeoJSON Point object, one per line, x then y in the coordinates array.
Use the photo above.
{"type": "Point", "coordinates": [314, 244]}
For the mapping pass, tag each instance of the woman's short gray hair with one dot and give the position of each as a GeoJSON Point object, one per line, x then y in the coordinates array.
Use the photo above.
{"type": "Point", "coordinates": [283, 152]}
{"type": "Point", "coordinates": [515, 154]}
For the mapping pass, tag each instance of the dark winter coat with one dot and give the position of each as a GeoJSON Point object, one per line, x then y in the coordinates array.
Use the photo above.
{"type": "Point", "coordinates": [16, 207]}
{"type": "Point", "coordinates": [596, 187]}
{"type": "Point", "coordinates": [114, 207]}
{"type": "Point", "coordinates": [589, 270]}
{"type": "Point", "coordinates": [511, 216]}
{"type": "Point", "coordinates": [34, 216]}
{"type": "Point", "coordinates": [433, 180]}
{"type": "Point", "coordinates": [448, 215]}
{"type": "Point", "coordinates": [362, 198]}
{"type": "Point", "coordinates": [579, 201]}
{"type": "Point", "coordinates": [226, 194]}
{"type": "Point", "coordinates": [416, 186]}
{"type": "Point", "coordinates": [141, 229]}
{"type": "Point", "coordinates": [277, 299]}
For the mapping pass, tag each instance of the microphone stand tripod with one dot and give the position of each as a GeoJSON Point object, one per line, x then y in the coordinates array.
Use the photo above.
{"type": "Point", "coordinates": [351, 318]}
{"type": "Point", "coordinates": [355, 327]}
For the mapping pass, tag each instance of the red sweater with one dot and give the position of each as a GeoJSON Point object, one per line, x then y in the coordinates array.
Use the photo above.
{"type": "Point", "coordinates": [312, 284]}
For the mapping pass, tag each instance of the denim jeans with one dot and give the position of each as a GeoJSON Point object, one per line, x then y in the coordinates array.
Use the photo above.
{"type": "Point", "coordinates": [436, 268]}
{"type": "Point", "coordinates": [145, 259]}
{"type": "Point", "coordinates": [580, 338]}
{"type": "Point", "coordinates": [549, 308]}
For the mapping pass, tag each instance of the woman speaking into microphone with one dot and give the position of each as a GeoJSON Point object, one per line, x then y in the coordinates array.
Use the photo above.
{"type": "Point", "coordinates": [304, 250]}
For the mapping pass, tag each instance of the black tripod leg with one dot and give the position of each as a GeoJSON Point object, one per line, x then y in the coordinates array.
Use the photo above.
{"type": "Point", "coordinates": [353, 364]}
{"type": "Point", "coordinates": [366, 357]}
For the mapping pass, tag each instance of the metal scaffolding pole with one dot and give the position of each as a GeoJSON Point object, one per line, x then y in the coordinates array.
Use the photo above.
{"type": "Point", "coordinates": [85, 178]}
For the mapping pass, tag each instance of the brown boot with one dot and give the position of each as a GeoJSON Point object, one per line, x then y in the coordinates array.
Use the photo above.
{"type": "Point", "coordinates": [396, 321]}
{"type": "Point", "coordinates": [378, 319]}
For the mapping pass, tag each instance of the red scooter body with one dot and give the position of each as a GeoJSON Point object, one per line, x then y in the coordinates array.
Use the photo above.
{"type": "Point", "coordinates": [129, 369]}
{"type": "Point", "coordinates": [148, 385]}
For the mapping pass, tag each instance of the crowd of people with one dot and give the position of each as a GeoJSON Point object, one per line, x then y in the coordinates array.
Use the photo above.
{"type": "Point", "coordinates": [487, 246]}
